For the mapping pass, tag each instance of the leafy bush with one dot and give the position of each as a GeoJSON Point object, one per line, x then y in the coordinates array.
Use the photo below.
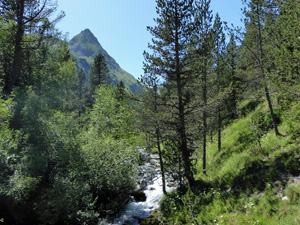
{"type": "Point", "coordinates": [263, 120]}
{"type": "Point", "coordinates": [9, 143]}
{"type": "Point", "coordinates": [293, 193]}
{"type": "Point", "coordinates": [292, 118]}
{"type": "Point", "coordinates": [21, 187]}
{"type": "Point", "coordinates": [67, 202]}
{"type": "Point", "coordinates": [284, 100]}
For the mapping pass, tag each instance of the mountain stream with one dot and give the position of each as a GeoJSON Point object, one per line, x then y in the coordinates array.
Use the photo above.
{"type": "Point", "coordinates": [151, 184]}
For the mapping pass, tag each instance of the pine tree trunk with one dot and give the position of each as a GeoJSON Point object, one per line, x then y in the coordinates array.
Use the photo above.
{"type": "Point", "coordinates": [185, 152]}
{"type": "Point", "coordinates": [157, 131]}
{"type": "Point", "coordinates": [183, 143]}
{"type": "Point", "coordinates": [14, 76]}
{"type": "Point", "coordinates": [234, 90]}
{"type": "Point", "coordinates": [262, 67]}
{"type": "Point", "coordinates": [161, 161]}
{"type": "Point", "coordinates": [219, 129]}
{"type": "Point", "coordinates": [204, 142]}
{"type": "Point", "coordinates": [271, 111]}
{"type": "Point", "coordinates": [204, 95]}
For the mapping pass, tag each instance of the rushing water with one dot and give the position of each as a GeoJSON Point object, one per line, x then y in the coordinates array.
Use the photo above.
{"type": "Point", "coordinates": [134, 211]}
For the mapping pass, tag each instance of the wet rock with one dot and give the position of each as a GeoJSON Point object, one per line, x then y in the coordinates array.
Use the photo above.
{"type": "Point", "coordinates": [143, 184]}
{"type": "Point", "coordinates": [154, 219]}
{"type": "Point", "coordinates": [139, 196]}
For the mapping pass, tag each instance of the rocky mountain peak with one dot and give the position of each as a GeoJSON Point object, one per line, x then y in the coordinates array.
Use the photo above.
{"type": "Point", "coordinates": [85, 46]}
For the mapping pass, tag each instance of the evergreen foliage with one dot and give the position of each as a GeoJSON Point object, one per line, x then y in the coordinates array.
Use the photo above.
{"type": "Point", "coordinates": [98, 75]}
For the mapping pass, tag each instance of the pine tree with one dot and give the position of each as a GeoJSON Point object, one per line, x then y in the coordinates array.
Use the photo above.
{"type": "Point", "coordinates": [202, 57]}
{"type": "Point", "coordinates": [32, 26]}
{"type": "Point", "coordinates": [81, 88]}
{"type": "Point", "coordinates": [171, 37]}
{"type": "Point", "coordinates": [255, 47]}
{"type": "Point", "coordinates": [121, 92]}
{"type": "Point", "coordinates": [221, 82]}
{"type": "Point", "coordinates": [98, 75]}
{"type": "Point", "coordinates": [284, 34]}
{"type": "Point", "coordinates": [152, 116]}
{"type": "Point", "coordinates": [232, 76]}
{"type": "Point", "coordinates": [6, 50]}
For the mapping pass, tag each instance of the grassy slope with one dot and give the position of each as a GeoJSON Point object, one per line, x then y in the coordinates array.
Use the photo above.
{"type": "Point", "coordinates": [248, 179]}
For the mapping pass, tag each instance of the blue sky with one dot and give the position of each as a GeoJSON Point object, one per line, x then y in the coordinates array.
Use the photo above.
{"type": "Point", "coordinates": [121, 25]}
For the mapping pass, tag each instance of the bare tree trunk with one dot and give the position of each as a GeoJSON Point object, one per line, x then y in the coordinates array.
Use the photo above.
{"type": "Point", "coordinates": [161, 161]}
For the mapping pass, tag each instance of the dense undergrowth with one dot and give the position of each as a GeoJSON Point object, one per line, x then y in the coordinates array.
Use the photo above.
{"type": "Point", "coordinates": [254, 179]}
{"type": "Point", "coordinates": [64, 169]}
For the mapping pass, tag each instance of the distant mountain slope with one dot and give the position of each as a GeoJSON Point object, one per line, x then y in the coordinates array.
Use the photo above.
{"type": "Point", "coordinates": [85, 46]}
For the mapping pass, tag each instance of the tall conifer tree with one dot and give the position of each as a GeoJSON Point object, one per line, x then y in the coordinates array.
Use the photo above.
{"type": "Point", "coordinates": [219, 55]}
{"type": "Point", "coordinates": [171, 36]}
{"type": "Point", "coordinates": [98, 75]}
{"type": "Point", "coordinates": [152, 115]}
{"type": "Point", "coordinates": [32, 26]}
{"type": "Point", "coordinates": [255, 46]}
{"type": "Point", "coordinates": [284, 34]}
{"type": "Point", "coordinates": [232, 76]}
{"type": "Point", "coordinates": [202, 54]}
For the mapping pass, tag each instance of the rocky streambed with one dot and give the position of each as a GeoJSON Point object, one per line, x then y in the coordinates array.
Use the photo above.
{"type": "Point", "coordinates": [146, 201]}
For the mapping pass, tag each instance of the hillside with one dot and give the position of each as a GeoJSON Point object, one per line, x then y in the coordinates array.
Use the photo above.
{"type": "Point", "coordinates": [254, 179]}
{"type": "Point", "coordinates": [85, 46]}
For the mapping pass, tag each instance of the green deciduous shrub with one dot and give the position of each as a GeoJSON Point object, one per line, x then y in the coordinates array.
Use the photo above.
{"type": "Point", "coordinates": [293, 193]}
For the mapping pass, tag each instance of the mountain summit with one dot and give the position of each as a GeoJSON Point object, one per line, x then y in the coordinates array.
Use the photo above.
{"type": "Point", "coordinates": [85, 46]}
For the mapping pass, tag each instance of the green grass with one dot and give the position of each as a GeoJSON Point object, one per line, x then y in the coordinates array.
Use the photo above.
{"type": "Point", "coordinates": [247, 179]}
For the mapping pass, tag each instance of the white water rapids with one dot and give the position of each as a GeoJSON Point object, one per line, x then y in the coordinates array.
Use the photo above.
{"type": "Point", "coordinates": [134, 211]}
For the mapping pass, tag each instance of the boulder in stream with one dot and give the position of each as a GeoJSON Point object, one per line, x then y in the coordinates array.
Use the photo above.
{"type": "Point", "coordinates": [139, 196]}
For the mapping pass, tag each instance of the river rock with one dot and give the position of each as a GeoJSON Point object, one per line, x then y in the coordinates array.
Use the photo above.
{"type": "Point", "coordinates": [139, 196]}
{"type": "Point", "coordinates": [143, 184]}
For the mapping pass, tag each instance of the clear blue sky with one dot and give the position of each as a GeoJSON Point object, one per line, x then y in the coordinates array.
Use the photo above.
{"type": "Point", "coordinates": [120, 25]}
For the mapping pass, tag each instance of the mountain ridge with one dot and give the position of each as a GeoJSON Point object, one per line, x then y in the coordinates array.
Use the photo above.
{"type": "Point", "coordinates": [85, 46]}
